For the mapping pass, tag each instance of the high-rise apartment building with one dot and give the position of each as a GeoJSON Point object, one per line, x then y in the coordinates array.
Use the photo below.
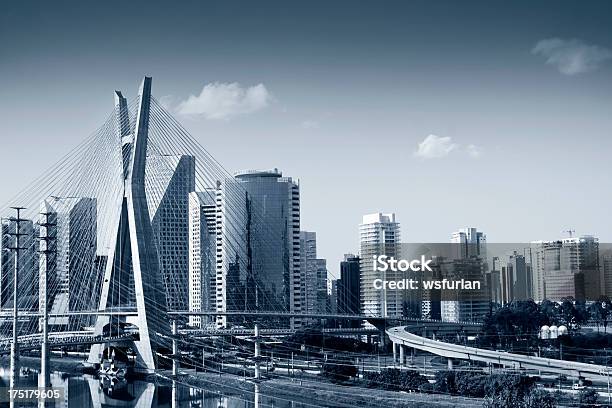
{"type": "Point", "coordinates": [258, 243]}
{"type": "Point", "coordinates": [321, 286]}
{"type": "Point", "coordinates": [308, 267]}
{"type": "Point", "coordinates": [379, 235]}
{"type": "Point", "coordinates": [566, 268]}
{"type": "Point", "coordinates": [469, 253]}
{"type": "Point", "coordinates": [606, 266]}
{"type": "Point", "coordinates": [170, 179]}
{"type": "Point", "coordinates": [464, 305]}
{"type": "Point", "coordinates": [202, 255]}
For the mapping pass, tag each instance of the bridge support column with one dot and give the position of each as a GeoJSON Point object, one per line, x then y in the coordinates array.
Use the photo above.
{"type": "Point", "coordinates": [412, 354]}
{"type": "Point", "coordinates": [450, 363]}
{"type": "Point", "coordinates": [402, 349]}
{"type": "Point", "coordinates": [175, 350]}
{"type": "Point", "coordinates": [395, 353]}
{"type": "Point", "coordinates": [383, 339]}
{"type": "Point", "coordinates": [257, 353]}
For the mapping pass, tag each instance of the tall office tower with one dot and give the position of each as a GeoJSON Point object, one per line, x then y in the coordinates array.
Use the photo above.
{"type": "Point", "coordinates": [75, 259]}
{"type": "Point", "coordinates": [566, 268]}
{"type": "Point", "coordinates": [464, 305]}
{"type": "Point", "coordinates": [28, 264]}
{"type": "Point", "coordinates": [321, 286]}
{"type": "Point", "coordinates": [349, 288]}
{"type": "Point", "coordinates": [494, 281]}
{"type": "Point", "coordinates": [379, 235]}
{"type": "Point", "coordinates": [308, 266]}
{"type": "Point", "coordinates": [170, 179]}
{"type": "Point", "coordinates": [469, 253]}
{"type": "Point", "coordinates": [332, 296]}
{"type": "Point", "coordinates": [606, 266]}
{"type": "Point", "coordinates": [258, 243]}
{"type": "Point", "coordinates": [469, 242]}
{"type": "Point", "coordinates": [515, 278]}
{"type": "Point", "coordinates": [202, 255]}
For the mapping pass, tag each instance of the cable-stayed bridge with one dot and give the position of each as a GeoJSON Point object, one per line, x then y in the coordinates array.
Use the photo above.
{"type": "Point", "coordinates": [138, 239]}
{"type": "Point", "coordinates": [139, 230]}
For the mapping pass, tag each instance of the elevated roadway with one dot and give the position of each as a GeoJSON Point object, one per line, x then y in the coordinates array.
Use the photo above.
{"type": "Point", "coordinates": [403, 338]}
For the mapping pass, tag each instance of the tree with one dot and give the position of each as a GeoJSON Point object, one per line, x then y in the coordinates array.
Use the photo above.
{"type": "Point", "coordinates": [517, 384]}
{"type": "Point", "coordinates": [471, 384]}
{"type": "Point", "coordinates": [572, 313]}
{"type": "Point", "coordinates": [587, 397]}
{"type": "Point", "coordinates": [445, 382]}
{"type": "Point", "coordinates": [550, 310]}
{"type": "Point", "coordinates": [596, 311]}
{"type": "Point", "coordinates": [606, 310]}
{"type": "Point", "coordinates": [395, 380]}
{"type": "Point", "coordinates": [540, 399]}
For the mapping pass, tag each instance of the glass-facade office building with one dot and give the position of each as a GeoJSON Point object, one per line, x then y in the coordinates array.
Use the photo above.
{"type": "Point", "coordinates": [258, 244]}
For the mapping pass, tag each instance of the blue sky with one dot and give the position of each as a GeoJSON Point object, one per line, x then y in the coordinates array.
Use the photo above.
{"type": "Point", "coordinates": [490, 114]}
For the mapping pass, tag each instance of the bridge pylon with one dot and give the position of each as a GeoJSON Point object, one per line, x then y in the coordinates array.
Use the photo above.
{"type": "Point", "coordinates": [132, 275]}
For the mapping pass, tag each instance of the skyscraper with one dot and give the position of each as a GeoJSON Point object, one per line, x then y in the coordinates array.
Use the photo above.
{"type": "Point", "coordinates": [606, 261]}
{"type": "Point", "coordinates": [469, 253]}
{"type": "Point", "coordinates": [469, 242]}
{"type": "Point", "coordinates": [75, 259]}
{"type": "Point", "coordinates": [379, 235]}
{"type": "Point", "coordinates": [202, 254]}
{"type": "Point", "coordinates": [28, 263]}
{"type": "Point", "coordinates": [566, 268]}
{"type": "Point", "coordinates": [170, 179]}
{"type": "Point", "coordinates": [308, 266]}
{"type": "Point", "coordinates": [321, 286]}
{"type": "Point", "coordinates": [349, 297]}
{"type": "Point", "coordinates": [258, 243]}
{"type": "Point", "coordinates": [515, 279]}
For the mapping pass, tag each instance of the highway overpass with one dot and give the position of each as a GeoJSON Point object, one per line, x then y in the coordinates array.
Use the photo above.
{"type": "Point", "coordinates": [405, 341]}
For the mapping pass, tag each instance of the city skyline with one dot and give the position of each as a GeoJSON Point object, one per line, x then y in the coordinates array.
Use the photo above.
{"type": "Point", "coordinates": [495, 109]}
{"type": "Point", "coordinates": [314, 203]}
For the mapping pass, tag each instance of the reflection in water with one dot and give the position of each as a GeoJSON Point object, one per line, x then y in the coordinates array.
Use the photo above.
{"type": "Point", "coordinates": [85, 391]}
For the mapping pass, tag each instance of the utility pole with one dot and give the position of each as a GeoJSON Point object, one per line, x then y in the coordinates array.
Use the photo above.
{"type": "Point", "coordinates": [175, 352]}
{"type": "Point", "coordinates": [14, 370]}
{"type": "Point", "coordinates": [46, 249]}
{"type": "Point", "coordinates": [608, 372]}
{"type": "Point", "coordinates": [257, 353]}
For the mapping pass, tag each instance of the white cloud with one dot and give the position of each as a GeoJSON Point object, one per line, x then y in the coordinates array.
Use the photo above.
{"type": "Point", "coordinates": [474, 151]}
{"type": "Point", "coordinates": [225, 100]}
{"type": "Point", "coordinates": [573, 56]}
{"type": "Point", "coordinates": [435, 147]}
{"type": "Point", "coordinates": [167, 101]}
{"type": "Point", "coordinates": [310, 124]}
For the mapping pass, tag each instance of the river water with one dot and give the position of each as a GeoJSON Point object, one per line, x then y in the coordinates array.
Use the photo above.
{"type": "Point", "coordinates": [86, 391]}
